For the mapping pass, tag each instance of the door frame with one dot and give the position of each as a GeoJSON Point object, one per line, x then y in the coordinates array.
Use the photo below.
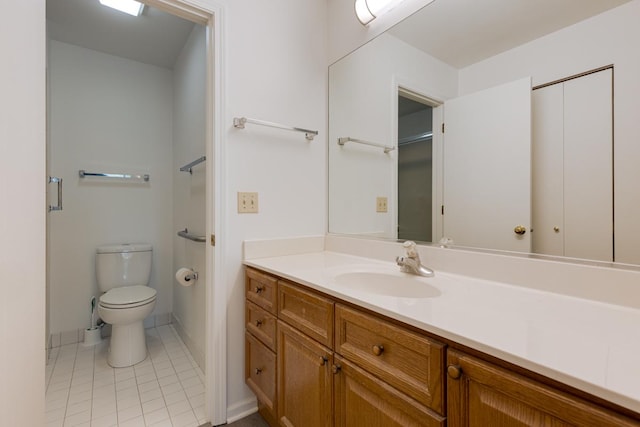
{"type": "Point", "coordinates": [210, 15]}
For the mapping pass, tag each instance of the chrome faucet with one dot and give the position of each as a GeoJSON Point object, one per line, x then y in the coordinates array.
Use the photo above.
{"type": "Point", "coordinates": [411, 262]}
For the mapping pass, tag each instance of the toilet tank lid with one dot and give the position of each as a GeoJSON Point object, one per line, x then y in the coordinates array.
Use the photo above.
{"type": "Point", "coordinates": [125, 247]}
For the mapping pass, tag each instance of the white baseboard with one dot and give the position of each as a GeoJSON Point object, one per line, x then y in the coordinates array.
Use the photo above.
{"type": "Point", "coordinates": [242, 409]}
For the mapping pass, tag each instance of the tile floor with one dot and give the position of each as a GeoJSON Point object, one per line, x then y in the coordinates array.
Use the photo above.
{"type": "Point", "coordinates": [166, 389]}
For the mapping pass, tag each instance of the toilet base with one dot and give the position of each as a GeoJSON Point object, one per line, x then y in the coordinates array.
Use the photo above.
{"type": "Point", "coordinates": [127, 345]}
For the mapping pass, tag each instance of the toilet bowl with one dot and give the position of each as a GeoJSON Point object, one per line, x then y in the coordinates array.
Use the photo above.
{"type": "Point", "coordinates": [125, 310]}
{"type": "Point", "coordinates": [122, 273]}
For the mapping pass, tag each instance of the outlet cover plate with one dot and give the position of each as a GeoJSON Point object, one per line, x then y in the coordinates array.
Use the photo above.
{"type": "Point", "coordinates": [247, 202]}
{"type": "Point", "coordinates": [381, 204]}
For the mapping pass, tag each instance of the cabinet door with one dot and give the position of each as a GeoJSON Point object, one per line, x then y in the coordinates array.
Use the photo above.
{"type": "Point", "coordinates": [363, 400]}
{"type": "Point", "coordinates": [481, 394]}
{"type": "Point", "coordinates": [305, 381]}
{"type": "Point", "coordinates": [260, 376]}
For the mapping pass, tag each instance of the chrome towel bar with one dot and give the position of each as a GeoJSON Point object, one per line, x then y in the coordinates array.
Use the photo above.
{"type": "Point", "coordinates": [187, 167]}
{"type": "Point", "coordinates": [185, 234]}
{"type": "Point", "coordinates": [345, 139]}
{"type": "Point", "coordinates": [84, 174]}
{"type": "Point", "coordinates": [239, 122]}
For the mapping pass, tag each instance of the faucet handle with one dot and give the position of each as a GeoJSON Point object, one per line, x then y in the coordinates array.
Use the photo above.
{"type": "Point", "coordinates": [410, 247]}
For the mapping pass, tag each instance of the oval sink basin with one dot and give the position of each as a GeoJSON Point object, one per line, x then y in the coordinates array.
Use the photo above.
{"type": "Point", "coordinates": [387, 284]}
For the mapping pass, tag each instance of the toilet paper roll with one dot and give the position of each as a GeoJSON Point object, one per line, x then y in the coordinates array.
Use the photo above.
{"type": "Point", "coordinates": [186, 276]}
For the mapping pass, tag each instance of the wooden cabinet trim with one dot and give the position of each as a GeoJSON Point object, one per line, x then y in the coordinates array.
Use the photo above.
{"type": "Point", "coordinates": [511, 396]}
{"type": "Point", "coordinates": [307, 311]}
{"type": "Point", "coordinates": [408, 361]}
{"type": "Point", "coordinates": [400, 409]}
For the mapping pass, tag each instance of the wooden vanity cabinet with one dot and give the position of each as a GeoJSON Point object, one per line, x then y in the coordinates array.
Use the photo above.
{"type": "Point", "coordinates": [315, 361]}
{"type": "Point", "coordinates": [480, 394]}
{"type": "Point", "coordinates": [260, 341]}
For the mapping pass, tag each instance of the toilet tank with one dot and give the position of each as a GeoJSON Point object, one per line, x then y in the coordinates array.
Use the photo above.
{"type": "Point", "coordinates": [123, 265]}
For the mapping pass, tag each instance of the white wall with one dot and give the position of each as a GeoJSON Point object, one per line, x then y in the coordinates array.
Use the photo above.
{"type": "Point", "coordinates": [189, 196]}
{"type": "Point", "coordinates": [22, 217]}
{"type": "Point", "coordinates": [275, 70]}
{"type": "Point", "coordinates": [609, 38]}
{"type": "Point", "coordinates": [363, 96]}
{"type": "Point", "coordinates": [108, 114]}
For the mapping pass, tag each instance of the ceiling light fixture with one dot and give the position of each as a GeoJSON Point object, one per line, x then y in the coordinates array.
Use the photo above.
{"type": "Point", "coordinates": [131, 7]}
{"type": "Point", "coordinates": [368, 10]}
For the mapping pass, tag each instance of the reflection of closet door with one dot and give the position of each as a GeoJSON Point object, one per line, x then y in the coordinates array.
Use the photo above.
{"type": "Point", "coordinates": [588, 162]}
{"type": "Point", "coordinates": [487, 167]}
{"type": "Point", "coordinates": [573, 168]}
{"type": "Point", "coordinates": [547, 207]}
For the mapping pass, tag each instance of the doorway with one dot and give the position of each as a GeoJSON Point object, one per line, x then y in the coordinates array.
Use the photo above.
{"type": "Point", "coordinates": [92, 202]}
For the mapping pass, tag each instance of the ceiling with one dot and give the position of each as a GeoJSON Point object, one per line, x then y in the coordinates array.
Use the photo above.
{"type": "Point", "coordinates": [154, 37]}
{"type": "Point", "coordinates": [463, 32]}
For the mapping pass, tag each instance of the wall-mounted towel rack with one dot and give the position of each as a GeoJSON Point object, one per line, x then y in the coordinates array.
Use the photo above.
{"type": "Point", "coordinates": [187, 168]}
{"type": "Point", "coordinates": [84, 174]}
{"type": "Point", "coordinates": [239, 122]}
{"type": "Point", "coordinates": [185, 233]}
{"type": "Point", "coordinates": [345, 139]}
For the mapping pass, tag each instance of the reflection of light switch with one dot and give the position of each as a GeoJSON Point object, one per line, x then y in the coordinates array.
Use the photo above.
{"type": "Point", "coordinates": [381, 204]}
{"type": "Point", "coordinates": [247, 202]}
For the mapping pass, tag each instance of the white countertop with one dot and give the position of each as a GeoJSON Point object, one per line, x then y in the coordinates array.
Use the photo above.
{"type": "Point", "coordinates": [592, 346]}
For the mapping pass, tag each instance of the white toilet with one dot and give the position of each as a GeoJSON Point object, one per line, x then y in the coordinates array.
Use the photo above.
{"type": "Point", "coordinates": [123, 272]}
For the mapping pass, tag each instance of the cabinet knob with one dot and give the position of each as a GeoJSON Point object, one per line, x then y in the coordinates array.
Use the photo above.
{"type": "Point", "coordinates": [520, 230]}
{"type": "Point", "coordinates": [454, 371]}
{"type": "Point", "coordinates": [258, 323]}
{"type": "Point", "coordinates": [377, 349]}
{"type": "Point", "coordinates": [336, 369]}
{"type": "Point", "coordinates": [323, 360]}
{"type": "Point", "coordinates": [258, 371]}
{"type": "Point", "coordinates": [259, 289]}
{"type": "Point", "coordinates": [556, 229]}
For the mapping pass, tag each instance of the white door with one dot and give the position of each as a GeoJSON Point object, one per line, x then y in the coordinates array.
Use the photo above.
{"type": "Point", "coordinates": [573, 168]}
{"type": "Point", "coordinates": [547, 170]}
{"type": "Point", "coordinates": [487, 167]}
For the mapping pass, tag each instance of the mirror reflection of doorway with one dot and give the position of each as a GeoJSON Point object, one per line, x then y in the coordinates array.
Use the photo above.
{"type": "Point", "coordinates": [415, 168]}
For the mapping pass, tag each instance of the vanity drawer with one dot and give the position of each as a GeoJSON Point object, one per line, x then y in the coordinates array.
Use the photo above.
{"type": "Point", "coordinates": [261, 324]}
{"type": "Point", "coordinates": [260, 375]}
{"type": "Point", "coordinates": [408, 361]}
{"type": "Point", "coordinates": [262, 290]}
{"type": "Point", "coordinates": [309, 312]}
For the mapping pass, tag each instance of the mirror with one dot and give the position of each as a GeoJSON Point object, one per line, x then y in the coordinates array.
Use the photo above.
{"type": "Point", "coordinates": [452, 50]}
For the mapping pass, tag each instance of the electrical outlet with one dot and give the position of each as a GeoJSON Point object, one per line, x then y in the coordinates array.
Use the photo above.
{"type": "Point", "coordinates": [381, 204]}
{"type": "Point", "coordinates": [247, 202]}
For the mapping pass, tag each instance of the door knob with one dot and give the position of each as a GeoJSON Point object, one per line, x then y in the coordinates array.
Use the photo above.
{"type": "Point", "coordinates": [520, 230]}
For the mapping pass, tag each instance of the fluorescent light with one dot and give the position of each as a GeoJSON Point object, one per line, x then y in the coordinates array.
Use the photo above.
{"type": "Point", "coordinates": [368, 10]}
{"type": "Point", "coordinates": [131, 7]}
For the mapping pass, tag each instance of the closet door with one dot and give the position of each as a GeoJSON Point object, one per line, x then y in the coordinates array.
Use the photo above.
{"type": "Point", "coordinates": [572, 168]}
{"type": "Point", "coordinates": [547, 165]}
{"type": "Point", "coordinates": [588, 164]}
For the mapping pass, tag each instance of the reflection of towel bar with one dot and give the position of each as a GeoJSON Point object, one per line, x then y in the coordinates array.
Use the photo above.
{"type": "Point", "coordinates": [84, 174]}
{"type": "Point", "coordinates": [345, 139]}
{"type": "Point", "coordinates": [185, 233]}
{"type": "Point", "coordinates": [187, 168]}
{"type": "Point", "coordinates": [239, 122]}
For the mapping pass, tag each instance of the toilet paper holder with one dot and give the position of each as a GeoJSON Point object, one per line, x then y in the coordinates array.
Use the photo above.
{"type": "Point", "coordinates": [186, 276]}
{"type": "Point", "coordinates": [191, 276]}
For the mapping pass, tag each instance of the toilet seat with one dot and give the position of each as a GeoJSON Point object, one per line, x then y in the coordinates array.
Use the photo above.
{"type": "Point", "coordinates": [128, 297]}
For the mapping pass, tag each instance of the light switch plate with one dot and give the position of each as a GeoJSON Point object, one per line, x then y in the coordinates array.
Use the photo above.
{"type": "Point", "coordinates": [247, 202]}
{"type": "Point", "coordinates": [381, 204]}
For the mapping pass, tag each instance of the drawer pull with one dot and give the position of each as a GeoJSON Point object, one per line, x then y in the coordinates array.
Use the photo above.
{"type": "Point", "coordinates": [377, 349]}
{"type": "Point", "coordinates": [258, 371]}
{"type": "Point", "coordinates": [323, 360]}
{"type": "Point", "coordinates": [259, 289]}
{"type": "Point", "coordinates": [336, 369]}
{"type": "Point", "coordinates": [258, 323]}
{"type": "Point", "coordinates": [454, 371]}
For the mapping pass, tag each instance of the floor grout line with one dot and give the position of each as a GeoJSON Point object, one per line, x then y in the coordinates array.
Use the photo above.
{"type": "Point", "coordinates": [71, 363]}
